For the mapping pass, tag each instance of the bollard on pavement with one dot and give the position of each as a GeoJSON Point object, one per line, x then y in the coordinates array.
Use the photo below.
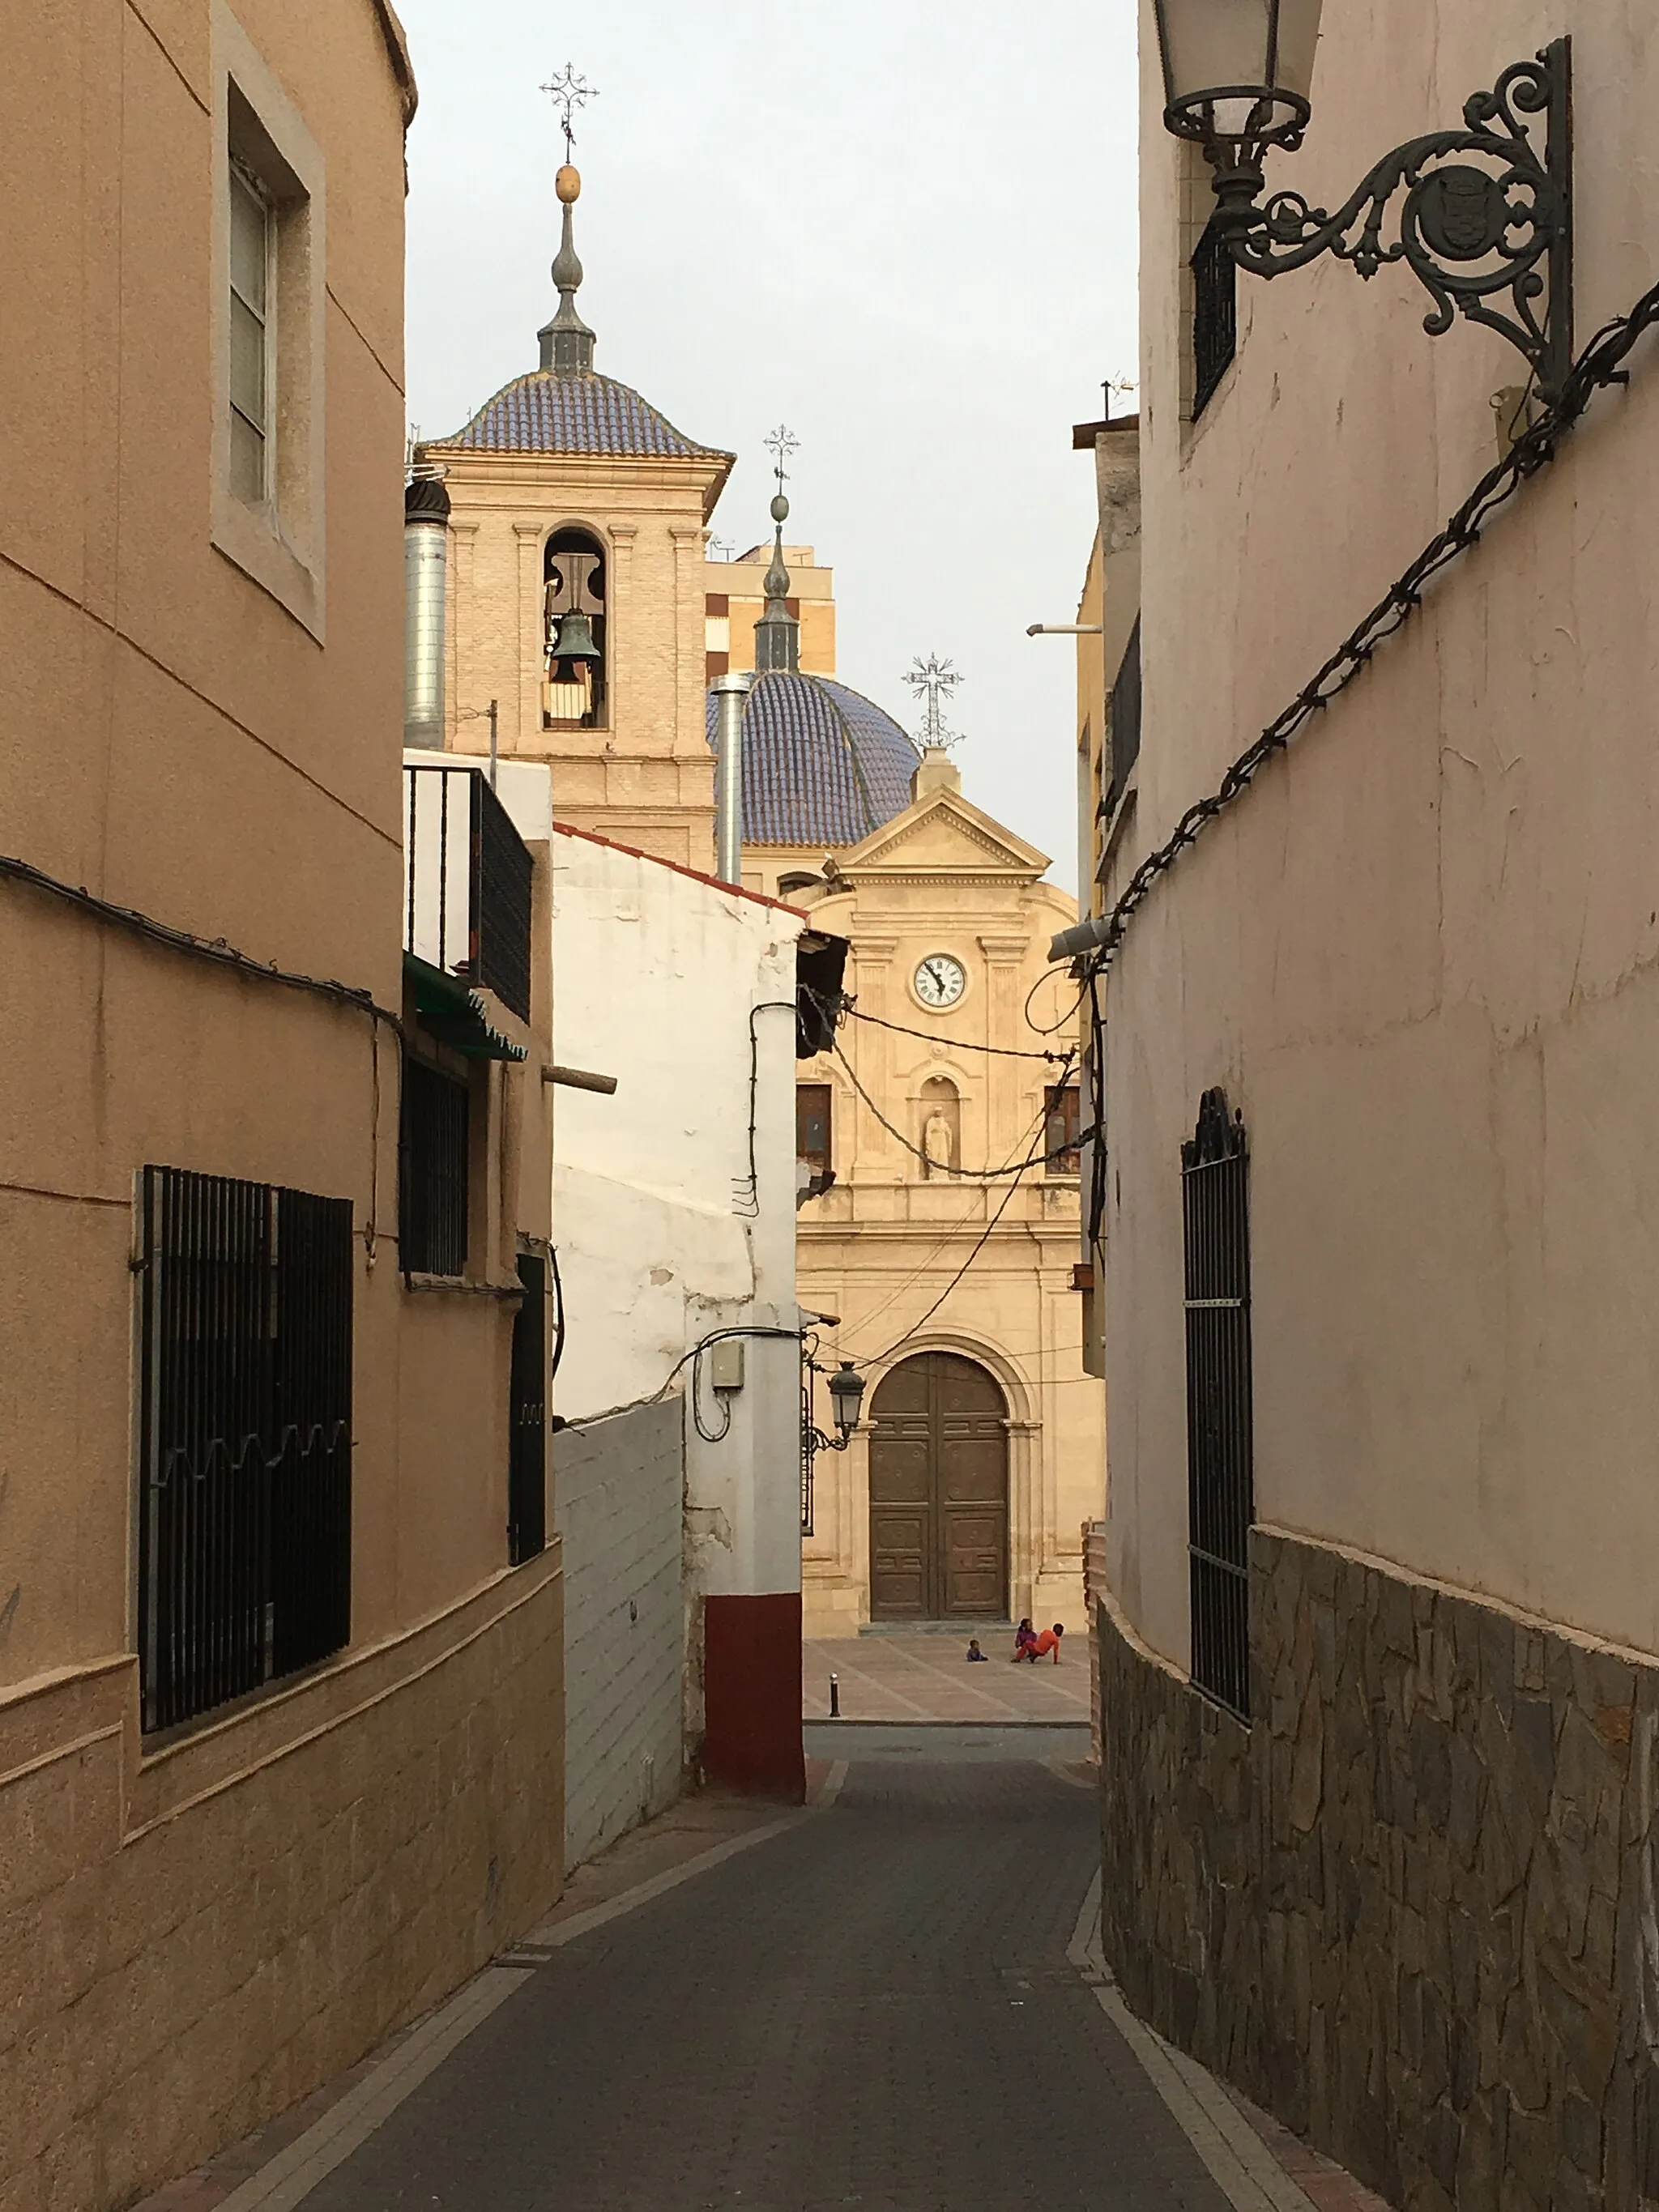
{"type": "Point", "coordinates": [835, 1697]}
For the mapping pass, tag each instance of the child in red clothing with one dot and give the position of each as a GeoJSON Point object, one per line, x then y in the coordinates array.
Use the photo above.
{"type": "Point", "coordinates": [1043, 1645]}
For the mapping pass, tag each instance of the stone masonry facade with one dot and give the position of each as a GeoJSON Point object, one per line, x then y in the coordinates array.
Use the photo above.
{"type": "Point", "coordinates": [1411, 1910]}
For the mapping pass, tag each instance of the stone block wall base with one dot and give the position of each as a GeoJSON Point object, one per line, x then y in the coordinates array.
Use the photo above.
{"type": "Point", "coordinates": [751, 1696]}
{"type": "Point", "coordinates": [1410, 1910]}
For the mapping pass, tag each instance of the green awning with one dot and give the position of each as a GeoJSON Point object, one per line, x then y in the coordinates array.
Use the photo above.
{"type": "Point", "coordinates": [455, 1014]}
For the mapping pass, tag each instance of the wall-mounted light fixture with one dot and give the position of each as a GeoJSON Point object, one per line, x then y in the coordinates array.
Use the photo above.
{"type": "Point", "coordinates": [1485, 212]}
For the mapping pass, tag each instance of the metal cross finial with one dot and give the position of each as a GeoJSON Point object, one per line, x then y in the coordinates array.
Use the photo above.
{"type": "Point", "coordinates": [780, 444]}
{"type": "Point", "coordinates": [933, 681]}
{"type": "Point", "coordinates": [568, 92]}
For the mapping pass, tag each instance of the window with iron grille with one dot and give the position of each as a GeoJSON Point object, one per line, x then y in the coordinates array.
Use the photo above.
{"type": "Point", "coordinates": [245, 1437]}
{"type": "Point", "coordinates": [1220, 1476]}
{"type": "Point", "coordinates": [432, 1179]}
{"type": "Point", "coordinates": [1061, 1120]}
{"type": "Point", "coordinates": [1215, 316]}
{"type": "Point", "coordinates": [526, 1478]}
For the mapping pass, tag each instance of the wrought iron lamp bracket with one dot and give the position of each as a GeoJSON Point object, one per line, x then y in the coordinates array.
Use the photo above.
{"type": "Point", "coordinates": [1471, 230]}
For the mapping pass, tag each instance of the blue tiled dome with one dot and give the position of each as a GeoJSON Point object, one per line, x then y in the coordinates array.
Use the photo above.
{"type": "Point", "coordinates": [821, 765]}
{"type": "Point", "coordinates": [544, 413]}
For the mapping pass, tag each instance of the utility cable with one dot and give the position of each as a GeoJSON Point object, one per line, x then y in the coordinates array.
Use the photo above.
{"type": "Point", "coordinates": [945, 1167]}
{"type": "Point", "coordinates": [880, 1358]}
{"type": "Point", "coordinates": [1599, 365]}
{"type": "Point", "coordinates": [213, 950]}
{"type": "Point", "coordinates": [932, 1036]}
{"type": "Point", "coordinates": [950, 1236]}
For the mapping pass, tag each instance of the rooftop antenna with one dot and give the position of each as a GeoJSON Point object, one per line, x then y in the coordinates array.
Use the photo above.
{"type": "Point", "coordinates": [934, 681]}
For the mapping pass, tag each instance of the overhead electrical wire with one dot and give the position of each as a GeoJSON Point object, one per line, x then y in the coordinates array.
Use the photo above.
{"type": "Point", "coordinates": [1599, 365]}
{"type": "Point", "coordinates": [946, 1167]}
{"type": "Point", "coordinates": [932, 1036]}
{"type": "Point", "coordinates": [949, 1237]}
{"type": "Point", "coordinates": [880, 1358]}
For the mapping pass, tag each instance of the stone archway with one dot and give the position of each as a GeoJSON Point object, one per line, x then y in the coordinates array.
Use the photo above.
{"type": "Point", "coordinates": [938, 1492]}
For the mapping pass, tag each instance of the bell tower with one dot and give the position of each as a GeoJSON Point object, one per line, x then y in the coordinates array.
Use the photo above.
{"type": "Point", "coordinates": [574, 587]}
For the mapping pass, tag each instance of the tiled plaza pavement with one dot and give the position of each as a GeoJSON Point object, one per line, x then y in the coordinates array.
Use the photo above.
{"type": "Point", "coordinates": [922, 1675]}
{"type": "Point", "coordinates": [872, 2009]}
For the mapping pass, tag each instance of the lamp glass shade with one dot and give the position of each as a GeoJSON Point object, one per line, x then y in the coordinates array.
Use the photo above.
{"type": "Point", "coordinates": [846, 1395]}
{"type": "Point", "coordinates": [1238, 70]}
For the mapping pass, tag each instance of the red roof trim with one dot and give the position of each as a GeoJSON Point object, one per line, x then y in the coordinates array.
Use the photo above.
{"type": "Point", "coordinates": [698, 875]}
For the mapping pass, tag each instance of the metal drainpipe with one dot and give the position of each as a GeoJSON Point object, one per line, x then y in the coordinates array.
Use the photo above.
{"type": "Point", "coordinates": [425, 561]}
{"type": "Point", "coordinates": [730, 692]}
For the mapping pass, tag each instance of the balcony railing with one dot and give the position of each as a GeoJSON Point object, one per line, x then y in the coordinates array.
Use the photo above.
{"type": "Point", "coordinates": [466, 883]}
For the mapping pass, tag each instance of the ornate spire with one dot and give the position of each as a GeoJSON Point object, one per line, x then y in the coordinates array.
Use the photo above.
{"type": "Point", "coordinates": [777, 633]}
{"type": "Point", "coordinates": [566, 343]}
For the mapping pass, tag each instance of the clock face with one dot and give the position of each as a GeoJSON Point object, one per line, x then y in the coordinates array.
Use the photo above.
{"type": "Point", "coordinates": [940, 981]}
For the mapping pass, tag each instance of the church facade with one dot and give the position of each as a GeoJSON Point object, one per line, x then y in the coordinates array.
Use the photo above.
{"type": "Point", "coordinates": [943, 1238]}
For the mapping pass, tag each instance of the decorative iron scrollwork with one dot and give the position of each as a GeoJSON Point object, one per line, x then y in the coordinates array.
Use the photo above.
{"type": "Point", "coordinates": [1471, 230]}
{"type": "Point", "coordinates": [1219, 1134]}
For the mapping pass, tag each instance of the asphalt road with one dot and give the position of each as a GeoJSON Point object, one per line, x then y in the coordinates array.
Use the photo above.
{"type": "Point", "coordinates": [873, 2009]}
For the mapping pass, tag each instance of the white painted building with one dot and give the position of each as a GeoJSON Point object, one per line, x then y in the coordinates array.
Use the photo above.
{"type": "Point", "coordinates": [674, 1221]}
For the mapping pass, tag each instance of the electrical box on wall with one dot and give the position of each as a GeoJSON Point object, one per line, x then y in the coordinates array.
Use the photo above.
{"type": "Point", "coordinates": [726, 1365]}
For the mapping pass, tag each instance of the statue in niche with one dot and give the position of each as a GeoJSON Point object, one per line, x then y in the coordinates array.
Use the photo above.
{"type": "Point", "coordinates": [941, 1128]}
{"type": "Point", "coordinates": [939, 1142]}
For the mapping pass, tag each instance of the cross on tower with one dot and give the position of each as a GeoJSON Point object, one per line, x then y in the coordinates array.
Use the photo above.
{"type": "Point", "coordinates": [933, 681]}
{"type": "Point", "coordinates": [567, 93]}
{"type": "Point", "coordinates": [780, 444]}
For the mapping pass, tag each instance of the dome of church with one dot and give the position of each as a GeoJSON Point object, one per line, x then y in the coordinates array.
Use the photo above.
{"type": "Point", "coordinates": [548, 411]}
{"type": "Point", "coordinates": [821, 765]}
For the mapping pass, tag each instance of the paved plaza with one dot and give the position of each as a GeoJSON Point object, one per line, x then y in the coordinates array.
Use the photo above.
{"type": "Point", "coordinates": [920, 1675]}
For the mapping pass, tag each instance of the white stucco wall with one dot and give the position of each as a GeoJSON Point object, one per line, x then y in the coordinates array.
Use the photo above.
{"type": "Point", "coordinates": [657, 974]}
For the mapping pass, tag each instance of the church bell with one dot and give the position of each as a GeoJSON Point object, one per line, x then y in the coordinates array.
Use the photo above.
{"type": "Point", "coordinates": [575, 640]}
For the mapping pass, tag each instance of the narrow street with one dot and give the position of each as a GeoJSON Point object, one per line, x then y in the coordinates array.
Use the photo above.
{"type": "Point", "coordinates": [874, 2007]}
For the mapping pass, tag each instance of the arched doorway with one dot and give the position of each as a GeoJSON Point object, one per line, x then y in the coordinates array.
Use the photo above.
{"type": "Point", "coordinates": [938, 1492]}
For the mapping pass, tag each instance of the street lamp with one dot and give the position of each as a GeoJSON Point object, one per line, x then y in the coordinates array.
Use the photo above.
{"type": "Point", "coordinates": [846, 1395]}
{"type": "Point", "coordinates": [1238, 78]}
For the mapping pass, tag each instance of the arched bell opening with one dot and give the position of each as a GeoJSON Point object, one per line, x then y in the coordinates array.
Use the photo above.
{"type": "Point", "coordinates": [574, 638]}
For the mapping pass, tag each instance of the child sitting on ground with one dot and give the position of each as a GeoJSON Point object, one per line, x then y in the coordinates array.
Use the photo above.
{"type": "Point", "coordinates": [1025, 1637]}
{"type": "Point", "coordinates": [974, 1651]}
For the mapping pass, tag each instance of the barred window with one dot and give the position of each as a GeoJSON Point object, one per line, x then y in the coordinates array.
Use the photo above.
{"type": "Point", "coordinates": [1220, 1473]}
{"type": "Point", "coordinates": [432, 1145]}
{"type": "Point", "coordinates": [1215, 316]}
{"type": "Point", "coordinates": [245, 1444]}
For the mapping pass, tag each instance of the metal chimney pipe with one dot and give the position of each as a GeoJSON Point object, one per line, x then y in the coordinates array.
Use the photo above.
{"type": "Point", "coordinates": [425, 561]}
{"type": "Point", "coordinates": [730, 692]}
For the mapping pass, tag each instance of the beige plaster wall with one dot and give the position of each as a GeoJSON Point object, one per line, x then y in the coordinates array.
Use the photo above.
{"type": "Point", "coordinates": [647, 777]}
{"type": "Point", "coordinates": [1420, 954]}
{"type": "Point", "coordinates": [193, 1933]}
{"type": "Point", "coordinates": [880, 1246]}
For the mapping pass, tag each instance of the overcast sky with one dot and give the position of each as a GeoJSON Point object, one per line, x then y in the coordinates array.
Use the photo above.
{"type": "Point", "coordinates": [904, 228]}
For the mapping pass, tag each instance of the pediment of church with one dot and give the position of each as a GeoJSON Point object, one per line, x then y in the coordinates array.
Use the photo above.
{"type": "Point", "coordinates": [943, 835]}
